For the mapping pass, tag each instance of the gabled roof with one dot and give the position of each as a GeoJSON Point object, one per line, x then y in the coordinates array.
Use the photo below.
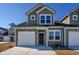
{"type": "Point", "coordinates": [53, 11]}
{"type": "Point", "coordinates": [3, 28]}
{"type": "Point", "coordinates": [43, 7]}
{"type": "Point", "coordinates": [35, 7]}
{"type": "Point", "coordinates": [75, 10]}
{"type": "Point", "coordinates": [21, 24]}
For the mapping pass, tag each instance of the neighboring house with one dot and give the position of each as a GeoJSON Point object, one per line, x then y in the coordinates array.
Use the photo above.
{"type": "Point", "coordinates": [6, 35]}
{"type": "Point", "coordinates": [42, 29]}
{"type": "Point", "coordinates": [3, 34]}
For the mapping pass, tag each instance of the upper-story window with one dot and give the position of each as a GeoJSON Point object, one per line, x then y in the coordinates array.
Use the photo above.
{"type": "Point", "coordinates": [32, 17]}
{"type": "Point", "coordinates": [45, 19]}
{"type": "Point", "coordinates": [75, 17]}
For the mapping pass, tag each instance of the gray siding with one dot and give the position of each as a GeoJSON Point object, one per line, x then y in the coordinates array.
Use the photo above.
{"type": "Point", "coordinates": [74, 21]}
{"type": "Point", "coordinates": [36, 21]}
{"type": "Point", "coordinates": [45, 11]}
{"type": "Point", "coordinates": [61, 42]}
{"type": "Point", "coordinates": [33, 13]}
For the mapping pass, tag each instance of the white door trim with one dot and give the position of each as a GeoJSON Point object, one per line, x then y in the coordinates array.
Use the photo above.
{"type": "Point", "coordinates": [38, 38]}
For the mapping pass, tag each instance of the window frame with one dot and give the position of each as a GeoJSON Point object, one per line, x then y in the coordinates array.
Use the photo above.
{"type": "Point", "coordinates": [51, 35]}
{"type": "Point", "coordinates": [74, 16]}
{"type": "Point", "coordinates": [54, 34]}
{"type": "Point", "coordinates": [32, 16]}
{"type": "Point", "coordinates": [45, 19]}
{"type": "Point", "coordinates": [57, 35]}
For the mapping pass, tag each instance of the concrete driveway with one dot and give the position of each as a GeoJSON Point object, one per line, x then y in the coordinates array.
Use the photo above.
{"type": "Point", "coordinates": [36, 50]}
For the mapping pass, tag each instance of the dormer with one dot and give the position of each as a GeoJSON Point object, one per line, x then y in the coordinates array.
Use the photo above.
{"type": "Point", "coordinates": [41, 15]}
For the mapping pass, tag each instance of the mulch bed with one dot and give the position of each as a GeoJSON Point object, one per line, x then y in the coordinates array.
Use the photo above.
{"type": "Point", "coordinates": [65, 51]}
{"type": "Point", "coordinates": [6, 45]}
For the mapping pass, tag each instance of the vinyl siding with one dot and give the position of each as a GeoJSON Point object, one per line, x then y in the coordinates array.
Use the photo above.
{"type": "Point", "coordinates": [66, 21]}
{"type": "Point", "coordinates": [61, 42]}
{"type": "Point", "coordinates": [33, 13]}
{"type": "Point", "coordinates": [45, 11]}
{"type": "Point", "coordinates": [74, 21]}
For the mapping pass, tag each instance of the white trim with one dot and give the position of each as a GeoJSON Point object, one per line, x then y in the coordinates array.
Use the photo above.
{"type": "Point", "coordinates": [65, 29]}
{"type": "Point", "coordinates": [32, 16]}
{"type": "Point", "coordinates": [15, 36]}
{"type": "Point", "coordinates": [37, 38]}
{"type": "Point", "coordinates": [34, 8]}
{"type": "Point", "coordinates": [54, 34]}
{"type": "Point", "coordinates": [45, 19]}
{"type": "Point", "coordinates": [44, 8]}
{"type": "Point", "coordinates": [74, 16]}
{"type": "Point", "coordinates": [71, 28]}
{"type": "Point", "coordinates": [65, 42]}
{"type": "Point", "coordinates": [47, 38]}
{"type": "Point", "coordinates": [40, 27]}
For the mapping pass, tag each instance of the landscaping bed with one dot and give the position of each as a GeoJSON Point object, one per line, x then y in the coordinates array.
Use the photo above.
{"type": "Point", "coordinates": [6, 45]}
{"type": "Point", "coordinates": [65, 51]}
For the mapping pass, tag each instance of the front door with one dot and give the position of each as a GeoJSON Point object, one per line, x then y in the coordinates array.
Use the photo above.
{"type": "Point", "coordinates": [41, 39]}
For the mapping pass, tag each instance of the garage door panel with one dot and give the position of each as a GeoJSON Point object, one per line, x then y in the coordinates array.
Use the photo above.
{"type": "Point", "coordinates": [73, 38]}
{"type": "Point", "coordinates": [26, 38]}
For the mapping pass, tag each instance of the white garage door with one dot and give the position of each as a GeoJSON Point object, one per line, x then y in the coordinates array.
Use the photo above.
{"type": "Point", "coordinates": [73, 38]}
{"type": "Point", "coordinates": [26, 38]}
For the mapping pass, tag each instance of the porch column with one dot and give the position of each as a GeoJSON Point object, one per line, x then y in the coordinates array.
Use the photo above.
{"type": "Point", "coordinates": [47, 37]}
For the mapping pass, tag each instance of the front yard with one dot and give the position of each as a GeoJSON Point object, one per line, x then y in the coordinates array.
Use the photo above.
{"type": "Point", "coordinates": [5, 48]}
{"type": "Point", "coordinates": [6, 45]}
{"type": "Point", "coordinates": [65, 51]}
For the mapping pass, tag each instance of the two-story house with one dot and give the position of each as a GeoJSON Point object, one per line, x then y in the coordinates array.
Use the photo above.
{"type": "Point", "coordinates": [41, 29]}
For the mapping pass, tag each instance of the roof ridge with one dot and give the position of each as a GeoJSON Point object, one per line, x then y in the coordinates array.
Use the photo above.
{"type": "Point", "coordinates": [35, 7]}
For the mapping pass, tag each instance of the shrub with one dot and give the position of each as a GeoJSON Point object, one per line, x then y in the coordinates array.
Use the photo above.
{"type": "Point", "coordinates": [56, 45]}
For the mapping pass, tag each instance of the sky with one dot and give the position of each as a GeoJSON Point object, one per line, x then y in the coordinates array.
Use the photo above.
{"type": "Point", "coordinates": [15, 13]}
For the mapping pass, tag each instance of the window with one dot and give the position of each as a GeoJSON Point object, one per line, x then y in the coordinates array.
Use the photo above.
{"type": "Point", "coordinates": [51, 35]}
{"type": "Point", "coordinates": [45, 19]}
{"type": "Point", "coordinates": [42, 19]}
{"type": "Point", "coordinates": [48, 19]}
{"type": "Point", "coordinates": [54, 34]}
{"type": "Point", "coordinates": [75, 17]}
{"type": "Point", "coordinates": [57, 35]}
{"type": "Point", "coordinates": [32, 17]}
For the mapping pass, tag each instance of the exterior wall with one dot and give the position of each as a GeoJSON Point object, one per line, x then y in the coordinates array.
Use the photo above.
{"type": "Point", "coordinates": [36, 21]}
{"type": "Point", "coordinates": [42, 29]}
{"type": "Point", "coordinates": [6, 39]}
{"type": "Point", "coordinates": [61, 42]}
{"type": "Point", "coordinates": [66, 34]}
{"type": "Point", "coordinates": [45, 11]}
{"type": "Point", "coordinates": [11, 31]}
{"type": "Point", "coordinates": [66, 21]}
{"type": "Point", "coordinates": [2, 31]}
{"type": "Point", "coordinates": [74, 21]}
{"type": "Point", "coordinates": [33, 13]}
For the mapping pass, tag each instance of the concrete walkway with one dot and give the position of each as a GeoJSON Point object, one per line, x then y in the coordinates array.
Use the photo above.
{"type": "Point", "coordinates": [37, 50]}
